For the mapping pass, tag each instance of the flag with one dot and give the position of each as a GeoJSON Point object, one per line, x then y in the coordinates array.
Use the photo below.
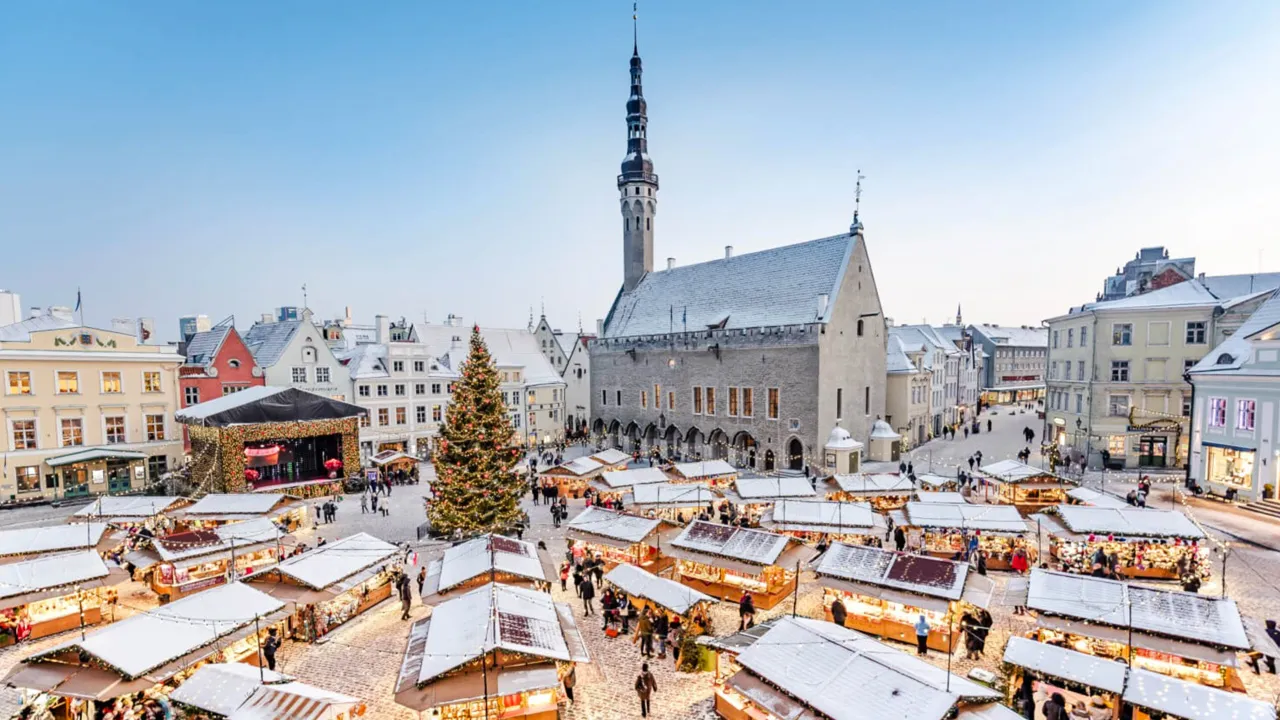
{"type": "Point", "coordinates": [77, 299]}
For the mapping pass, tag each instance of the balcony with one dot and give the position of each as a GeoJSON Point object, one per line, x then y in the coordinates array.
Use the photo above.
{"type": "Point", "coordinates": [633, 177]}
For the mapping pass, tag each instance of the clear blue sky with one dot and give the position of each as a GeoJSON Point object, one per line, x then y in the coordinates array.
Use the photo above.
{"type": "Point", "coordinates": [413, 157]}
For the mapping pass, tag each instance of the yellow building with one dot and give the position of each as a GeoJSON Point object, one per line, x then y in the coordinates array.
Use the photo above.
{"type": "Point", "coordinates": [85, 411]}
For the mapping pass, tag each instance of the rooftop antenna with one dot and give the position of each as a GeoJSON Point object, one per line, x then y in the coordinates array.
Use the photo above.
{"type": "Point", "coordinates": [857, 203]}
{"type": "Point", "coordinates": [635, 30]}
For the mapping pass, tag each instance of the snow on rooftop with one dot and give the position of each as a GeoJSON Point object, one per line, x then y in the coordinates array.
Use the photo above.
{"type": "Point", "coordinates": [612, 456]}
{"type": "Point", "coordinates": [950, 498]}
{"type": "Point", "coordinates": [127, 506]}
{"type": "Point", "coordinates": [966, 516]}
{"type": "Point", "coordinates": [476, 557]}
{"type": "Point", "coordinates": [329, 564]}
{"type": "Point", "coordinates": [212, 407]}
{"type": "Point", "coordinates": [920, 574]}
{"type": "Point", "coordinates": [631, 478]}
{"type": "Point", "coordinates": [754, 546]}
{"type": "Point", "coordinates": [1190, 700]}
{"type": "Point", "coordinates": [1128, 521]}
{"type": "Point", "coordinates": [234, 504]}
{"type": "Point", "coordinates": [1013, 471]}
{"type": "Point", "coordinates": [765, 488]}
{"type": "Point", "coordinates": [1092, 497]}
{"type": "Point", "coordinates": [223, 687]}
{"type": "Point", "coordinates": [580, 467]}
{"type": "Point", "coordinates": [30, 541]}
{"type": "Point", "coordinates": [222, 539]}
{"type": "Point", "coordinates": [672, 494]}
{"type": "Point", "coordinates": [1065, 664]}
{"type": "Point", "coordinates": [667, 593]}
{"type": "Point", "coordinates": [825, 516]}
{"type": "Point", "coordinates": [614, 524]}
{"type": "Point", "coordinates": [510, 348]}
{"type": "Point", "coordinates": [874, 483]}
{"type": "Point", "coordinates": [704, 469]}
{"type": "Point", "coordinates": [50, 571]}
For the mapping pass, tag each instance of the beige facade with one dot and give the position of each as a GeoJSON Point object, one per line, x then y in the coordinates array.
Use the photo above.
{"type": "Point", "coordinates": [909, 389]}
{"type": "Point", "coordinates": [85, 411]}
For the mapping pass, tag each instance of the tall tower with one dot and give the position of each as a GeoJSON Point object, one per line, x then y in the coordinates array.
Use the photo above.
{"type": "Point", "coordinates": [637, 185]}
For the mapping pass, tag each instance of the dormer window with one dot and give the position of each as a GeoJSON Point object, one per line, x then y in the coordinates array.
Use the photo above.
{"type": "Point", "coordinates": [234, 363]}
{"type": "Point", "coordinates": [1225, 359]}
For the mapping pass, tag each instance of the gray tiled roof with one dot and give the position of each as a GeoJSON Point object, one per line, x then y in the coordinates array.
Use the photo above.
{"type": "Point", "coordinates": [1015, 336]}
{"type": "Point", "coordinates": [896, 357]}
{"type": "Point", "coordinates": [1230, 286]}
{"type": "Point", "coordinates": [267, 341]}
{"type": "Point", "coordinates": [202, 348]}
{"type": "Point", "coordinates": [762, 289]}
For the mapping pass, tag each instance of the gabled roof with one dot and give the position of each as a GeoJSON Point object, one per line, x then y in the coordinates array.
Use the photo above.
{"type": "Point", "coordinates": [775, 487]}
{"type": "Point", "coordinates": [236, 504]}
{"type": "Point", "coordinates": [731, 292]}
{"type": "Point", "coordinates": [896, 360]}
{"type": "Point", "coordinates": [477, 557]}
{"type": "Point", "coordinates": [934, 577]}
{"type": "Point", "coordinates": [50, 571]}
{"type": "Point", "coordinates": [21, 331]}
{"type": "Point", "coordinates": [1016, 336]}
{"type": "Point", "coordinates": [1190, 293]}
{"type": "Point", "coordinates": [127, 506]}
{"type": "Point", "coordinates": [633, 477]}
{"type": "Point", "coordinates": [510, 348]}
{"type": "Point", "coordinates": [236, 536]}
{"type": "Point", "coordinates": [203, 347]}
{"type": "Point", "coordinates": [1230, 286]}
{"type": "Point", "coordinates": [329, 564]}
{"type": "Point", "coordinates": [754, 546]}
{"type": "Point", "coordinates": [666, 593]}
{"type": "Point", "coordinates": [615, 524]}
{"type": "Point", "coordinates": [55, 538]}
{"type": "Point", "coordinates": [704, 469]}
{"type": "Point", "coordinates": [1232, 356]}
{"type": "Point", "coordinates": [268, 341]}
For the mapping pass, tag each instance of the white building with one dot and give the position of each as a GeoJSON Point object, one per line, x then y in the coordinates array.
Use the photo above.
{"type": "Point", "coordinates": [942, 360]}
{"type": "Point", "coordinates": [293, 353]}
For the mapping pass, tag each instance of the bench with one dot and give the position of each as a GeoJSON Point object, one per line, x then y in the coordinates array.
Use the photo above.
{"type": "Point", "coordinates": [1226, 496]}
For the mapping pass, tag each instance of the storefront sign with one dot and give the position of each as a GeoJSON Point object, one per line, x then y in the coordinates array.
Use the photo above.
{"type": "Point", "coordinates": [262, 451]}
{"type": "Point", "coordinates": [202, 584]}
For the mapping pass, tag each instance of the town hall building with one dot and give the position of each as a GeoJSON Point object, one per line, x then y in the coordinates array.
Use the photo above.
{"type": "Point", "coordinates": [753, 358]}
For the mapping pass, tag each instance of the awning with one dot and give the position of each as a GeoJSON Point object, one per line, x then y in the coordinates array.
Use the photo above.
{"type": "Point", "coordinates": [1220, 444]}
{"type": "Point", "coordinates": [776, 702]}
{"type": "Point", "coordinates": [592, 539]}
{"type": "Point", "coordinates": [471, 686]}
{"type": "Point", "coordinates": [719, 561]}
{"type": "Point", "coordinates": [115, 576]}
{"type": "Point", "coordinates": [89, 454]}
{"type": "Point", "coordinates": [1065, 664]}
{"type": "Point", "coordinates": [1140, 640]}
{"type": "Point", "coordinates": [923, 602]}
{"type": "Point", "coordinates": [979, 590]}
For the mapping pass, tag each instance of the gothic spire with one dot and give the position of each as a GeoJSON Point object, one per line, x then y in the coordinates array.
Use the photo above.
{"type": "Point", "coordinates": [636, 166]}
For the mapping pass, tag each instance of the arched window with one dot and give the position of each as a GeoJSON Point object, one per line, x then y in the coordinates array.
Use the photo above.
{"type": "Point", "coordinates": [637, 223]}
{"type": "Point", "coordinates": [859, 328]}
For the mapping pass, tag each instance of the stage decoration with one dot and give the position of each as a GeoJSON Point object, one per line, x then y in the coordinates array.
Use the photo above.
{"type": "Point", "coordinates": [476, 488]}
{"type": "Point", "coordinates": [251, 475]}
{"type": "Point", "coordinates": [218, 458]}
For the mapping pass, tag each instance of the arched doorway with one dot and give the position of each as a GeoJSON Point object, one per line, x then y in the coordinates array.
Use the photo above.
{"type": "Point", "coordinates": [673, 438]}
{"type": "Point", "coordinates": [597, 429]}
{"type": "Point", "coordinates": [693, 441]}
{"type": "Point", "coordinates": [744, 447]}
{"type": "Point", "coordinates": [795, 454]}
{"type": "Point", "coordinates": [768, 460]}
{"type": "Point", "coordinates": [615, 430]}
{"type": "Point", "coordinates": [633, 438]}
{"type": "Point", "coordinates": [719, 442]}
{"type": "Point", "coordinates": [650, 437]}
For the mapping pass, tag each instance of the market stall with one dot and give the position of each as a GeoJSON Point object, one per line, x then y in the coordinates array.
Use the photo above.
{"type": "Point", "coordinates": [211, 511]}
{"type": "Point", "coordinates": [1026, 487]}
{"type": "Point", "coordinates": [331, 584]}
{"type": "Point", "coordinates": [486, 559]}
{"type": "Point", "coordinates": [946, 498]}
{"type": "Point", "coordinates": [816, 522]}
{"type": "Point", "coordinates": [947, 530]}
{"type": "Point", "coordinates": [571, 477]}
{"type": "Point", "coordinates": [714, 473]}
{"type": "Point", "coordinates": [884, 491]}
{"type": "Point", "coordinates": [929, 482]}
{"type": "Point", "coordinates": [613, 459]}
{"type": "Point", "coordinates": [389, 461]}
{"type": "Point", "coordinates": [726, 561]}
{"type": "Point", "coordinates": [238, 691]}
{"type": "Point", "coordinates": [885, 592]}
{"type": "Point", "coordinates": [146, 654]}
{"type": "Point", "coordinates": [754, 496]}
{"type": "Point", "coordinates": [853, 677]}
{"type": "Point", "coordinates": [644, 589]}
{"type": "Point", "coordinates": [670, 501]}
{"type": "Point", "coordinates": [52, 593]}
{"type": "Point", "coordinates": [1077, 676]}
{"type": "Point", "coordinates": [188, 562]}
{"type": "Point", "coordinates": [129, 511]}
{"type": "Point", "coordinates": [621, 539]}
{"type": "Point", "coordinates": [1188, 636]}
{"type": "Point", "coordinates": [614, 485]}
{"type": "Point", "coordinates": [1093, 498]}
{"type": "Point", "coordinates": [29, 543]}
{"type": "Point", "coordinates": [529, 644]}
{"type": "Point", "coordinates": [1160, 544]}
{"type": "Point", "coordinates": [1154, 696]}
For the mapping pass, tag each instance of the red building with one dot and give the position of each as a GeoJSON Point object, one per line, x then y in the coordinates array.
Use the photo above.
{"type": "Point", "coordinates": [218, 363]}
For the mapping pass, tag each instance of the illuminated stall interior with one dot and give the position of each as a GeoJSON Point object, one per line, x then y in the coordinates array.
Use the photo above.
{"type": "Point", "coordinates": [725, 561]}
{"type": "Point", "coordinates": [644, 589]}
{"type": "Point", "coordinates": [621, 539]}
{"type": "Point", "coordinates": [945, 530]}
{"type": "Point", "coordinates": [53, 593]}
{"type": "Point", "coordinates": [671, 501]}
{"type": "Point", "coordinates": [331, 584]}
{"type": "Point", "coordinates": [884, 491]}
{"type": "Point", "coordinates": [188, 562]}
{"type": "Point", "coordinates": [274, 439]}
{"type": "Point", "coordinates": [572, 477]}
{"type": "Point", "coordinates": [928, 482]}
{"type": "Point", "coordinates": [614, 485]}
{"type": "Point", "coordinates": [715, 473]}
{"type": "Point", "coordinates": [496, 652]}
{"type": "Point", "coordinates": [25, 544]}
{"type": "Point", "coordinates": [612, 459]}
{"type": "Point", "coordinates": [219, 509]}
{"type": "Point", "coordinates": [754, 496]}
{"type": "Point", "coordinates": [1183, 635]}
{"type": "Point", "coordinates": [146, 654]}
{"type": "Point", "coordinates": [1229, 468]}
{"type": "Point", "coordinates": [239, 690]}
{"type": "Point", "coordinates": [816, 521]}
{"type": "Point", "coordinates": [1077, 676]}
{"type": "Point", "coordinates": [1025, 487]}
{"type": "Point", "coordinates": [485, 559]}
{"type": "Point", "coordinates": [1147, 543]}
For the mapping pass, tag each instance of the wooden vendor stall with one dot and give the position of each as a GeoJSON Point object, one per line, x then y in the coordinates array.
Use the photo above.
{"type": "Point", "coordinates": [571, 477]}
{"type": "Point", "coordinates": [715, 473]}
{"type": "Point", "coordinates": [1153, 696]}
{"type": "Point", "coordinates": [947, 531]}
{"type": "Point", "coordinates": [49, 594]}
{"type": "Point", "coordinates": [613, 460]}
{"type": "Point", "coordinates": [1187, 636]}
{"type": "Point", "coordinates": [389, 461]}
{"type": "Point", "coordinates": [885, 592]}
{"type": "Point", "coordinates": [495, 652]}
{"type": "Point", "coordinates": [644, 589]}
{"type": "Point", "coordinates": [614, 485]}
{"type": "Point", "coordinates": [183, 563]}
{"type": "Point", "coordinates": [752, 497]}
{"type": "Point", "coordinates": [676, 502]}
{"type": "Point", "coordinates": [1026, 487]}
{"type": "Point", "coordinates": [1159, 544]}
{"type": "Point", "coordinates": [928, 482]}
{"type": "Point", "coordinates": [725, 561]}
{"type": "Point", "coordinates": [1089, 496]}
{"type": "Point", "coordinates": [488, 558]}
{"type": "Point", "coordinates": [884, 491]}
{"type": "Point", "coordinates": [239, 691]}
{"type": "Point", "coordinates": [287, 512]}
{"type": "Point", "coordinates": [147, 654]}
{"type": "Point", "coordinates": [621, 539]}
{"type": "Point", "coordinates": [946, 498]}
{"type": "Point", "coordinates": [127, 512]}
{"type": "Point", "coordinates": [30, 543]}
{"type": "Point", "coordinates": [1078, 677]}
{"type": "Point", "coordinates": [816, 522]}
{"type": "Point", "coordinates": [332, 584]}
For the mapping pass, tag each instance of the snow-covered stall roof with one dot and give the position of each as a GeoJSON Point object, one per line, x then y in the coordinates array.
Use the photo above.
{"type": "Point", "coordinates": [1089, 496]}
{"type": "Point", "coordinates": [51, 572]}
{"type": "Point", "coordinates": [769, 488]}
{"type": "Point", "coordinates": [846, 675]}
{"type": "Point", "coordinates": [1192, 701]}
{"type": "Point", "coordinates": [672, 495]}
{"type": "Point", "coordinates": [222, 688]}
{"type": "Point", "coordinates": [614, 525]}
{"type": "Point", "coordinates": [239, 537]}
{"type": "Point", "coordinates": [1014, 472]}
{"type": "Point", "coordinates": [964, 516]}
{"type": "Point", "coordinates": [1127, 522]}
{"type": "Point", "coordinates": [334, 562]}
{"type": "Point", "coordinates": [492, 617]}
{"type": "Point", "coordinates": [947, 498]}
{"type": "Point", "coordinates": [295, 701]}
{"type": "Point", "coordinates": [704, 469]}
{"type": "Point", "coordinates": [55, 538]}
{"type": "Point", "coordinates": [1169, 613]}
{"type": "Point", "coordinates": [920, 574]}
{"type": "Point", "coordinates": [929, 480]}
{"type": "Point", "coordinates": [871, 484]}
{"type": "Point", "coordinates": [823, 516]}
{"type": "Point", "coordinates": [128, 507]}
{"type": "Point", "coordinates": [577, 467]}
{"type": "Point", "coordinates": [612, 456]}
{"type": "Point", "coordinates": [1058, 662]}
{"type": "Point", "coordinates": [739, 546]}
{"type": "Point", "coordinates": [631, 478]}
{"type": "Point", "coordinates": [236, 504]}
{"type": "Point", "coordinates": [668, 593]}
{"type": "Point", "coordinates": [477, 557]}
{"type": "Point", "coordinates": [146, 641]}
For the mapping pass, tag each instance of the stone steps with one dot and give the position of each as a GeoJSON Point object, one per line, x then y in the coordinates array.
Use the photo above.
{"type": "Point", "coordinates": [1270, 508]}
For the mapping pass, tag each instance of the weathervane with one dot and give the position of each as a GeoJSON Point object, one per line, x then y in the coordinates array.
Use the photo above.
{"type": "Point", "coordinates": [857, 202]}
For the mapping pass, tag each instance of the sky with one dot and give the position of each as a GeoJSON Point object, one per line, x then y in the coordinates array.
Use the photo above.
{"type": "Point", "coordinates": [420, 159]}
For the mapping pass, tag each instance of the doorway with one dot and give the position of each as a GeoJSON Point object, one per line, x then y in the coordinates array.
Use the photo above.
{"type": "Point", "coordinates": [795, 454]}
{"type": "Point", "coordinates": [768, 460]}
{"type": "Point", "coordinates": [1152, 450]}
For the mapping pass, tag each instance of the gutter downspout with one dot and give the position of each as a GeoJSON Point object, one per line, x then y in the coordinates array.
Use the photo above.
{"type": "Point", "coordinates": [1191, 422]}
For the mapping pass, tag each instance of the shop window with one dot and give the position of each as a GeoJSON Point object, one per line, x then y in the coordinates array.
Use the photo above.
{"type": "Point", "coordinates": [1115, 444]}
{"type": "Point", "coordinates": [19, 382]}
{"type": "Point", "coordinates": [1217, 412]}
{"type": "Point", "coordinates": [1245, 410]}
{"type": "Point", "coordinates": [1230, 466]}
{"type": "Point", "coordinates": [28, 478]}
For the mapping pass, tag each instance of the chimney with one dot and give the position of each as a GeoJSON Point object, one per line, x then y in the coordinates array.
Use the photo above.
{"type": "Point", "coordinates": [728, 251]}
{"type": "Point", "coordinates": [36, 312]}
{"type": "Point", "coordinates": [599, 327]}
{"type": "Point", "coordinates": [268, 318]}
{"type": "Point", "coordinates": [823, 299]}
{"type": "Point", "coordinates": [346, 320]}
{"type": "Point", "coordinates": [1201, 277]}
{"type": "Point", "coordinates": [383, 324]}
{"type": "Point", "coordinates": [671, 263]}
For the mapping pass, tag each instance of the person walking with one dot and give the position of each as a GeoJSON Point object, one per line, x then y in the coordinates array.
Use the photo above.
{"type": "Point", "coordinates": [422, 579]}
{"type": "Point", "coordinates": [644, 633]}
{"type": "Point", "coordinates": [899, 538]}
{"type": "Point", "coordinates": [988, 424]}
{"type": "Point", "coordinates": [405, 596]}
{"type": "Point", "coordinates": [746, 611]}
{"type": "Point", "coordinates": [364, 503]}
{"type": "Point", "coordinates": [564, 577]}
{"type": "Point", "coordinates": [1055, 708]}
{"type": "Point", "coordinates": [577, 578]}
{"type": "Point", "coordinates": [922, 636]}
{"type": "Point", "coordinates": [588, 592]}
{"type": "Point", "coordinates": [645, 687]}
{"type": "Point", "coordinates": [269, 648]}
{"type": "Point", "coordinates": [970, 463]}
{"type": "Point", "coordinates": [570, 679]}
{"type": "Point", "coordinates": [838, 612]}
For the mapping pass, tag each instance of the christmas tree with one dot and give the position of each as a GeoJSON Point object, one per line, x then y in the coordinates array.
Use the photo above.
{"type": "Point", "coordinates": [476, 488]}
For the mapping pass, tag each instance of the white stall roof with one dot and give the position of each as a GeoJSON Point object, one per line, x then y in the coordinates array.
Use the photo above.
{"type": "Point", "coordinates": [330, 564]}
{"type": "Point", "coordinates": [146, 641]}
{"type": "Point", "coordinates": [949, 498]}
{"type": "Point", "coordinates": [55, 538]}
{"type": "Point", "coordinates": [705, 469]}
{"type": "Point", "coordinates": [1065, 664]}
{"type": "Point", "coordinates": [989, 711]}
{"type": "Point", "coordinates": [1092, 497]}
{"type": "Point", "coordinates": [667, 593]}
{"type": "Point", "coordinates": [50, 571]}
{"type": "Point", "coordinates": [235, 504]}
{"type": "Point", "coordinates": [614, 524]}
{"type": "Point", "coordinates": [1013, 471]}
{"type": "Point", "coordinates": [222, 539]}
{"type": "Point", "coordinates": [965, 516]}
{"type": "Point", "coordinates": [753, 546]}
{"type": "Point", "coordinates": [638, 476]}
{"type": "Point", "coordinates": [875, 484]}
{"type": "Point", "coordinates": [579, 467]}
{"type": "Point", "coordinates": [934, 481]}
{"type": "Point", "coordinates": [127, 507]}
{"type": "Point", "coordinates": [765, 488]}
{"type": "Point", "coordinates": [1197, 618]}
{"type": "Point", "coordinates": [474, 558]}
{"type": "Point", "coordinates": [612, 456]}
{"type": "Point", "coordinates": [919, 574]}
{"type": "Point", "coordinates": [672, 495]}
{"type": "Point", "coordinates": [1192, 701]}
{"type": "Point", "coordinates": [1127, 521]}
{"type": "Point", "coordinates": [824, 516]}
{"type": "Point", "coordinates": [223, 687]}
{"type": "Point", "coordinates": [846, 675]}
{"type": "Point", "coordinates": [294, 701]}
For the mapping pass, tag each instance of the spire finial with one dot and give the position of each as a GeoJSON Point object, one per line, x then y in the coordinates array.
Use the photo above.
{"type": "Point", "coordinates": [635, 30]}
{"type": "Point", "coordinates": [857, 203]}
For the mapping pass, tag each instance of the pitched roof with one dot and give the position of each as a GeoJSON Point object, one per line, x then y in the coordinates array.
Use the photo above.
{"type": "Point", "coordinates": [203, 347]}
{"type": "Point", "coordinates": [478, 556]}
{"type": "Point", "coordinates": [509, 348]}
{"type": "Point", "coordinates": [1185, 294]}
{"type": "Point", "coordinates": [597, 520]}
{"type": "Point", "coordinates": [267, 341]}
{"type": "Point", "coordinates": [896, 360]}
{"type": "Point", "coordinates": [666, 593]}
{"type": "Point", "coordinates": [54, 538]}
{"type": "Point", "coordinates": [1016, 336]}
{"type": "Point", "coordinates": [729, 291]}
{"type": "Point", "coordinates": [1237, 350]}
{"type": "Point", "coordinates": [21, 331]}
{"type": "Point", "coordinates": [266, 404]}
{"type": "Point", "coordinates": [329, 564]}
{"type": "Point", "coordinates": [1230, 286]}
{"type": "Point", "coordinates": [921, 574]}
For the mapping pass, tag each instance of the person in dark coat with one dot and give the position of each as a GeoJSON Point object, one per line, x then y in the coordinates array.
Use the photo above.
{"type": "Point", "coordinates": [838, 612]}
{"type": "Point", "coordinates": [899, 539]}
{"type": "Point", "coordinates": [746, 611]}
{"type": "Point", "coordinates": [645, 686]}
{"type": "Point", "coordinates": [1055, 708]}
{"type": "Point", "coordinates": [587, 591]}
{"type": "Point", "coordinates": [269, 648]}
{"type": "Point", "coordinates": [405, 596]}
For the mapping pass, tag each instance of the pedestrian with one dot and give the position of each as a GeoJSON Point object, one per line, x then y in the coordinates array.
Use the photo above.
{"type": "Point", "coordinates": [970, 463]}
{"type": "Point", "coordinates": [645, 686]}
{"type": "Point", "coordinates": [661, 628]}
{"type": "Point", "coordinates": [911, 469]}
{"type": "Point", "coordinates": [644, 633]}
{"type": "Point", "coordinates": [577, 579]}
{"type": "Point", "coordinates": [922, 636]}
{"type": "Point", "coordinates": [564, 577]}
{"type": "Point", "coordinates": [1055, 708]}
{"type": "Point", "coordinates": [985, 623]}
{"type": "Point", "coordinates": [597, 568]}
{"type": "Point", "coordinates": [587, 591]}
{"type": "Point", "coordinates": [969, 626]}
{"type": "Point", "coordinates": [746, 611]}
{"type": "Point", "coordinates": [899, 538]}
{"type": "Point", "coordinates": [982, 562]}
{"type": "Point", "coordinates": [405, 597]}
{"type": "Point", "coordinates": [902, 468]}
{"type": "Point", "coordinates": [966, 431]}
{"type": "Point", "coordinates": [269, 648]}
{"type": "Point", "coordinates": [570, 679]}
{"type": "Point", "coordinates": [386, 506]}
{"type": "Point", "coordinates": [988, 424]}
{"type": "Point", "coordinates": [373, 500]}
{"type": "Point", "coordinates": [422, 579]}
{"type": "Point", "coordinates": [838, 612]}
{"type": "Point", "coordinates": [364, 503]}
{"type": "Point", "coordinates": [319, 517]}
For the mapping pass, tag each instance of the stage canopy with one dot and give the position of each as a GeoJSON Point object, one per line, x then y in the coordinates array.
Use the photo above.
{"type": "Point", "coordinates": [259, 405]}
